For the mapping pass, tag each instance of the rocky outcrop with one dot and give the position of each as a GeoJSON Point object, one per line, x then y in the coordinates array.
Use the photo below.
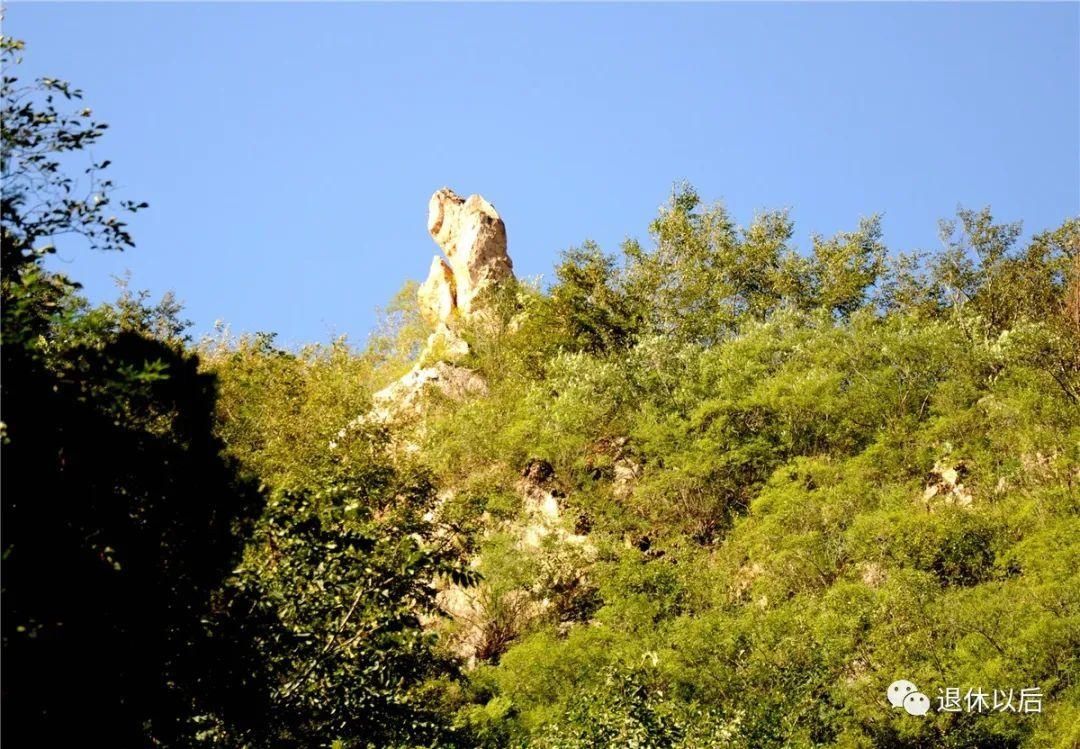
{"type": "Point", "coordinates": [483, 622]}
{"type": "Point", "coordinates": [405, 395]}
{"type": "Point", "coordinates": [543, 508]}
{"type": "Point", "coordinates": [945, 485]}
{"type": "Point", "coordinates": [484, 619]}
{"type": "Point", "coordinates": [473, 238]}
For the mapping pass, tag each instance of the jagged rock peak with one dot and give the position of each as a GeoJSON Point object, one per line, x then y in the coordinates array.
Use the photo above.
{"type": "Point", "coordinates": [473, 238]}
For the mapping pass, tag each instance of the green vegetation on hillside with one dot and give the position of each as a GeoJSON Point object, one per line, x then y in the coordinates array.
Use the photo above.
{"type": "Point", "coordinates": [778, 561]}
{"type": "Point", "coordinates": [793, 478]}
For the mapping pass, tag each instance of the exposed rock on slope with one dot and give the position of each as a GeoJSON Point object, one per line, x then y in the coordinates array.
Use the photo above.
{"type": "Point", "coordinates": [405, 394]}
{"type": "Point", "coordinates": [485, 618]}
{"type": "Point", "coordinates": [473, 237]}
{"type": "Point", "coordinates": [543, 508]}
{"type": "Point", "coordinates": [946, 485]}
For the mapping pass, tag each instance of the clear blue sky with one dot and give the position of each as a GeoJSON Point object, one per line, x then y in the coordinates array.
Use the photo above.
{"type": "Point", "coordinates": [288, 150]}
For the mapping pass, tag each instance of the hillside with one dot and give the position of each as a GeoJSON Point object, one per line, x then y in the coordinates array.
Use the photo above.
{"type": "Point", "coordinates": [719, 493]}
{"type": "Point", "coordinates": [715, 489]}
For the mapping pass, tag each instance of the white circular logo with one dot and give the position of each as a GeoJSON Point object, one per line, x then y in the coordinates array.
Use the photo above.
{"type": "Point", "coordinates": [917, 703]}
{"type": "Point", "coordinates": [898, 690]}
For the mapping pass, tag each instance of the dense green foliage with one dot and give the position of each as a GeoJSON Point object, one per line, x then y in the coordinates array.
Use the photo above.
{"type": "Point", "coordinates": [157, 590]}
{"type": "Point", "coordinates": [112, 476]}
{"type": "Point", "coordinates": [790, 478]}
{"type": "Point", "coordinates": [778, 561]}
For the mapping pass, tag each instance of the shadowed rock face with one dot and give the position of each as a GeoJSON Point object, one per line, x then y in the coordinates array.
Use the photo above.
{"type": "Point", "coordinates": [473, 238]}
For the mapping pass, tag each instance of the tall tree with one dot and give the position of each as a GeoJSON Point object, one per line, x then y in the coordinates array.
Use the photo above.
{"type": "Point", "coordinates": [118, 511]}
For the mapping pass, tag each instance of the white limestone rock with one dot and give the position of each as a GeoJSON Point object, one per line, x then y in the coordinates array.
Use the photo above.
{"type": "Point", "coordinates": [473, 237]}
